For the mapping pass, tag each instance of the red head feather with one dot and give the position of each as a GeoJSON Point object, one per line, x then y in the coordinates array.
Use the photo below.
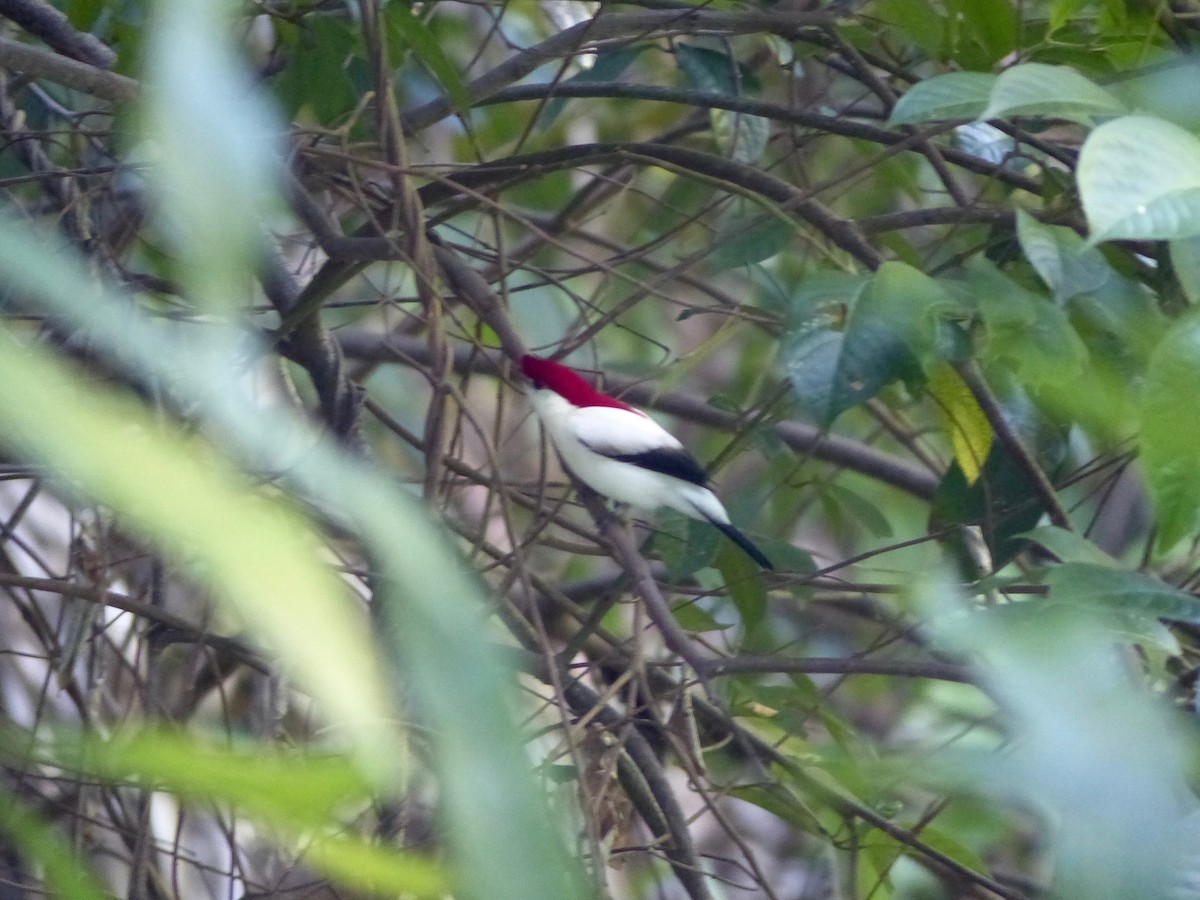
{"type": "Point", "coordinates": [567, 383]}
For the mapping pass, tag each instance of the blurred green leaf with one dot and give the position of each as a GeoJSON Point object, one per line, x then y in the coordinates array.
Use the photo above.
{"type": "Point", "coordinates": [684, 544]}
{"type": "Point", "coordinates": [64, 872]}
{"type": "Point", "coordinates": [1090, 745]}
{"type": "Point", "coordinates": [1036, 89]}
{"type": "Point", "coordinates": [285, 789]}
{"type": "Point", "coordinates": [1069, 546]}
{"type": "Point", "coordinates": [1171, 432]}
{"type": "Point", "coordinates": [1185, 260]}
{"type": "Point", "coordinates": [1139, 179]}
{"type": "Point", "coordinates": [215, 144]}
{"type": "Point", "coordinates": [257, 553]}
{"type": "Point", "coordinates": [957, 95]}
{"type": "Point", "coordinates": [1026, 333]}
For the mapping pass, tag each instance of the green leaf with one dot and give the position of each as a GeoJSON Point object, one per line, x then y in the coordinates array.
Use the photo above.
{"type": "Point", "coordinates": [750, 240]}
{"type": "Point", "coordinates": [285, 789]}
{"type": "Point", "coordinates": [315, 78]}
{"type": "Point", "coordinates": [745, 582]}
{"type": "Point", "coordinates": [1094, 747]}
{"type": "Point", "coordinates": [1001, 503]}
{"type": "Point", "coordinates": [1069, 546]}
{"type": "Point", "coordinates": [697, 620]}
{"type": "Point", "coordinates": [213, 141]}
{"type": "Point", "coordinates": [61, 867]}
{"type": "Point", "coordinates": [739, 136]}
{"type": "Point", "coordinates": [970, 432]}
{"type": "Point", "coordinates": [1185, 260]}
{"type": "Point", "coordinates": [891, 326]}
{"type": "Point", "coordinates": [1171, 432]}
{"type": "Point", "coordinates": [1139, 179]}
{"type": "Point", "coordinates": [957, 95]}
{"type": "Point", "coordinates": [684, 544]}
{"type": "Point", "coordinates": [258, 553]}
{"type": "Point", "coordinates": [407, 27]}
{"type": "Point", "coordinates": [607, 67]}
{"type": "Point", "coordinates": [1064, 261]}
{"type": "Point", "coordinates": [1036, 89]}
{"type": "Point", "coordinates": [1121, 590]}
{"type": "Point", "coordinates": [1026, 333]}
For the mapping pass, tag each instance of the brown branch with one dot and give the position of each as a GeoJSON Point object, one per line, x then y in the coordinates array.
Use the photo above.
{"type": "Point", "coordinates": [42, 20]}
{"type": "Point", "coordinates": [841, 666]}
{"type": "Point", "coordinates": [37, 62]}
{"type": "Point", "coordinates": [621, 26]}
{"type": "Point", "coordinates": [843, 126]}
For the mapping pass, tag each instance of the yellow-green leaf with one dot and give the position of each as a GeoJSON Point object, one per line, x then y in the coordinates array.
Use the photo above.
{"type": "Point", "coordinates": [970, 433]}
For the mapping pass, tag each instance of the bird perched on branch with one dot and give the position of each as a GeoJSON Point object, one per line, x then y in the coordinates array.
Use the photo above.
{"type": "Point", "coordinates": [621, 453]}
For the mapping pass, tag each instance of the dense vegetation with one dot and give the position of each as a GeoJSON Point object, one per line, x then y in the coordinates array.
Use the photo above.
{"type": "Point", "coordinates": [296, 597]}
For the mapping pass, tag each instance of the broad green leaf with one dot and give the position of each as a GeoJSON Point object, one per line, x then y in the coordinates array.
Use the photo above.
{"type": "Point", "coordinates": [957, 95]}
{"type": "Point", "coordinates": [1069, 546]}
{"type": "Point", "coordinates": [1036, 89]}
{"type": "Point", "coordinates": [408, 27]}
{"type": "Point", "coordinates": [1025, 332]}
{"type": "Point", "coordinates": [62, 870]}
{"type": "Point", "coordinates": [1185, 260]}
{"type": "Point", "coordinates": [970, 432]}
{"type": "Point", "coordinates": [256, 552]}
{"type": "Point", "coordinates": [752, 240]}
{"type": "Point", "coordinates": [1139, 179]}
{"type": "Point", "coordinates": [1126, 592]}
{"type": "Point", "coordinates": [1064, 261]}
{"type": "Point", "coordinates": [1171, 432]}
{"type": "Point", "coordinates": [825, 295]}
{"type": "Point", "coordinates": [891, 327]}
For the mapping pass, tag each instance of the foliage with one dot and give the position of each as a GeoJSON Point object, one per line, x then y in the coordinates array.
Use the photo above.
{"type": "Point", "coordinates": [296, 596]}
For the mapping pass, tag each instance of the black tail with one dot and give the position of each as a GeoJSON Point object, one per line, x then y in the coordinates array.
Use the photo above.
{"type": "Point", "coordinates": [744, 542]}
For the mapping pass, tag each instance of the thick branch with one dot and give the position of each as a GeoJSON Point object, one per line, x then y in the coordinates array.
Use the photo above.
{"type": "Point", "coordinates": [37, 62]}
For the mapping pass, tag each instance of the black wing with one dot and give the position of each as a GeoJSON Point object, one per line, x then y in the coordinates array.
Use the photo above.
{"type": "Point", "coordinates": [677, 463]}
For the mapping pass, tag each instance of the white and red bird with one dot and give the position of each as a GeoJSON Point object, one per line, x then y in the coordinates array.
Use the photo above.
{"type": "Point", "coordinates": [621, 453]}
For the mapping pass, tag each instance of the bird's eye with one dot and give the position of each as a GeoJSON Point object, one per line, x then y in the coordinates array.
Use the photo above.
{"type": "Point", "coordinates": [537, 385]}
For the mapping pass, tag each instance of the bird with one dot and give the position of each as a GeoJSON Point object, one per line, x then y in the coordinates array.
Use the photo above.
{"type": "Point", "coordinates": [621, 453]}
